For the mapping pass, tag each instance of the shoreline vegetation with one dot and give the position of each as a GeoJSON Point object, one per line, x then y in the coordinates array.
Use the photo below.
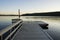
{"type": "Point", "coordinates": [43, 14]}
{"type": "Point", "coordinates": [8, 15]}
{"type": "Point", "coordinates": [35, 14]}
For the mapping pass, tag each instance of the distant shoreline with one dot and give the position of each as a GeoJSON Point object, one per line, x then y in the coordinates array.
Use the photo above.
{"type": "Point", "coordinates": [9, 15]}
{"type": "Point", "coordinates": [43, 14]}
{"type": "Point", "coordinates": [35, 14]}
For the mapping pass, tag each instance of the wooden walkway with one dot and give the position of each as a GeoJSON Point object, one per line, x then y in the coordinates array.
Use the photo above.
{"type": "Point", "coordinates": [31, 31]}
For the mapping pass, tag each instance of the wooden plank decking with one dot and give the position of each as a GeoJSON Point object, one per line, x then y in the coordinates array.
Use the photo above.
{"type": "Point", "coordinates": [31, 31]}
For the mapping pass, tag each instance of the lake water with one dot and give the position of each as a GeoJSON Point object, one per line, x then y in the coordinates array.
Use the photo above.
{"type": "Point", "coordinates": [5, 21]}
{"type": "Point", "coordinates": [53, 28]}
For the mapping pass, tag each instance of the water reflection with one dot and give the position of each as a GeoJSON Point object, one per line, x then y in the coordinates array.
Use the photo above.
{"type": "Point", "coordinates": [5, 21]}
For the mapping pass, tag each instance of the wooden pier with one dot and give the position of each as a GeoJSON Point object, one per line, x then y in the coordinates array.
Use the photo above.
{"type": "Point", "coordinates": [31, 31]}
{"type": "Point", "coordinates": [9, 32]}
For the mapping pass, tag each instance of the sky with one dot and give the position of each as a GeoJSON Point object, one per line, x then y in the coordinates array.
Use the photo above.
{"type": "Point", "coordinates": [28, 6]}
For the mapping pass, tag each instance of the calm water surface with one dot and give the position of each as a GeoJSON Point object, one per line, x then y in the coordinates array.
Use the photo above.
{"type": "Point", "coordinates": [53, 28]}
{"type": "Point", "coordinates": [5, 21]}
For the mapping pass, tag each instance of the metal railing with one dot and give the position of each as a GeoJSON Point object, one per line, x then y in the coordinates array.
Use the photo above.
{"type": "Point", "coordinates": [8, 32]}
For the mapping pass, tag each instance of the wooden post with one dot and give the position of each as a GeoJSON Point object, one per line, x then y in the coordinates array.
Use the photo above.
{"type": "Point", "coordinates": [19, 13]}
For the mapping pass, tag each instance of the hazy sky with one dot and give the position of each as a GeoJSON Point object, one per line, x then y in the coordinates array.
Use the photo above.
{"type": "Point", "coordinates": [28, 6]}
